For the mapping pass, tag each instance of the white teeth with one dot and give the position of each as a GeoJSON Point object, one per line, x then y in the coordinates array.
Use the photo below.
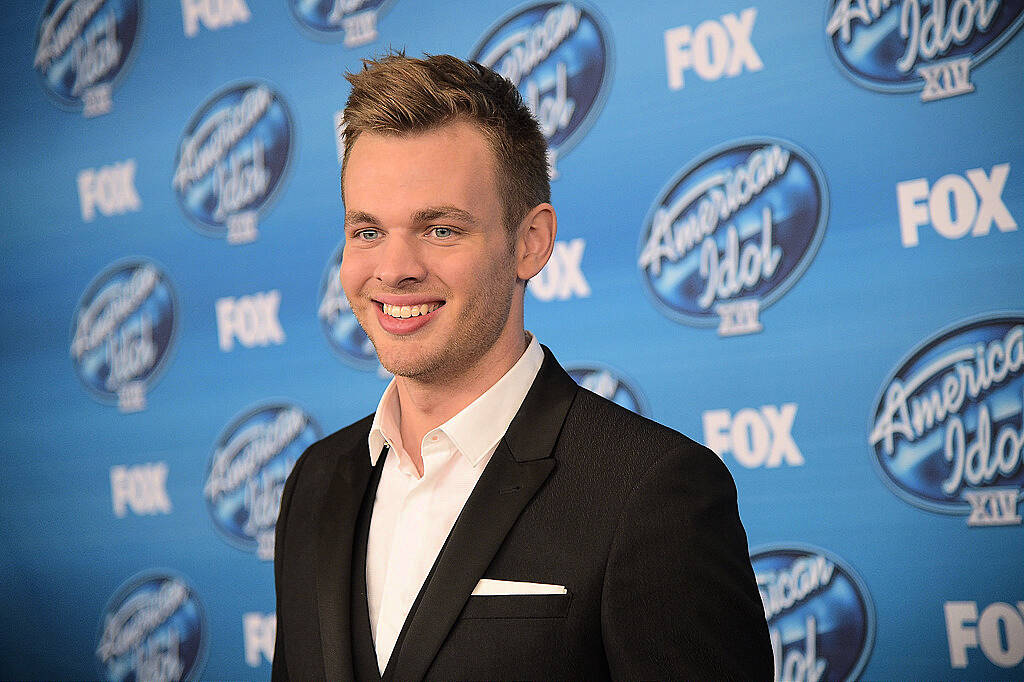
{"type": "Point", "coordinates": [405, 311]}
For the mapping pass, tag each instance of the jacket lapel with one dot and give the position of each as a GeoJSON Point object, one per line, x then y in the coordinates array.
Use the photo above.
{"type": "Point", "coordinates": [336, 526]}
{"type": "Point", "coordinates": [518, 468]}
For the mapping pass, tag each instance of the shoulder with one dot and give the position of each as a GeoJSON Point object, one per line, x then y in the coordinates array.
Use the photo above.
{"type": "Point", "coordinates": [613, 420]}
{"type": "Point", "coordinates": [637, 447]}
{"type": "Point", "coordinates": [321, 458]}
{"type": "Point", "coordinates": [611, 423]}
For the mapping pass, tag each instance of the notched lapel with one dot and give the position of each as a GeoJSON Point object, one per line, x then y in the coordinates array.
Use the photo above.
{"type": "Point", "coordinates": [535, 428]}
{"type": "Point", "coordinates": [336, 526]}
{"type": "Point", "coordinates": [517, 470]}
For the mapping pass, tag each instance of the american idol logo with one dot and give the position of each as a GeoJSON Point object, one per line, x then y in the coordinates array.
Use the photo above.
{"type": "Point", "coordinates": [82, 46]}
{"type": "Point", "coordinates": [820, 616]}
{"type": "Point", "coordinates": [559, 55]}
{"type": "Point", "coordinates": [340, 325]}
{"type": "Point", "coordinates": [947, 429]}
{"type": "Point", "coordinates": [123, 331]}
{"type": "Point", "coordinates": [353, 20]}
{"type": "Point", "coordinates": [153, 628]}
{"type": "Point", "coordinates": [232, 159]}
{"type": "Point", "coordinates": [611, 384]}
{"type": "Point", "coordinates": [251, 461]}
{"type": "Point", "coordinates": [927, 45]}
{"type": "Point", "coordinates": [732, 232]}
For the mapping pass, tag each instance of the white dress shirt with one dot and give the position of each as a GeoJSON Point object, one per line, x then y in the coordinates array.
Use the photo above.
{"type": "Point", "coordinates": [413, 515]}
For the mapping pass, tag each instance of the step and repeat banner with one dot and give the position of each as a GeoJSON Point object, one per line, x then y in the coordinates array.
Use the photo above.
{"type": "Point", "coordinates": [788, 229]}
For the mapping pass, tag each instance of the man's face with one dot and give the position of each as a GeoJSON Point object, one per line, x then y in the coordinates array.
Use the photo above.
{"type": "Point", "coordinates": [427, 266]}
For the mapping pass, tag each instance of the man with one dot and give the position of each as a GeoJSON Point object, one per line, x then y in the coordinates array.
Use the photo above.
{"type": "Point", "coordinates": [491, 520]}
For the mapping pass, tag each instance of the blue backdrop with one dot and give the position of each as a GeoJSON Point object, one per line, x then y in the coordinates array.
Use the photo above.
{"type": "Point", "coordinates": [789, 230]}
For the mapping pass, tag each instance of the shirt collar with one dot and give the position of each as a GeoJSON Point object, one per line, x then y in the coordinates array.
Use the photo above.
{"type": "Point", "coordinates": [476, 430]}
{"type": "Point", "coordinates": [384, 429]}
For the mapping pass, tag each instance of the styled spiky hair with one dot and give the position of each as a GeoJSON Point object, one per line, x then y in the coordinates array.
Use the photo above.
{"type": "Point", "coordinates": [399, 95]}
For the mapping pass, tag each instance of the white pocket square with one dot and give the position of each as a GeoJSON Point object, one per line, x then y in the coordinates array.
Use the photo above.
{"type": "Point", "coordinates": [490, 588]}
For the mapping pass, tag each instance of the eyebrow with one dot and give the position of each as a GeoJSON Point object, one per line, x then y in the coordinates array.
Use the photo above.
{"type": "Point", "coordinates": [424, 215]}
{"type": "Point", "coordinates": [361, 217]}
{"type": "Point", "coordinates": [427, 215]}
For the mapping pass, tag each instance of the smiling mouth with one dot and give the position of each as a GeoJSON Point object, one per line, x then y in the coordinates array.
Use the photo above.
{"type": "Point", "coordinates": [401, 312]}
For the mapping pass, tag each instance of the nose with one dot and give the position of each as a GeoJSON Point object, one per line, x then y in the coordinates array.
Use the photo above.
{"type": "Point", "coordinates": [400, 262]}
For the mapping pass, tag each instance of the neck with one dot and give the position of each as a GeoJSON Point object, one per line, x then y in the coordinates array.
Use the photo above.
{"type": "Point", "coordinates": [426, 403]}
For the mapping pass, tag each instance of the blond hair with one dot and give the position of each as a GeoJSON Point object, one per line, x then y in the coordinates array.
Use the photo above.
{"type": "Point", "coordinates": [398, 95]}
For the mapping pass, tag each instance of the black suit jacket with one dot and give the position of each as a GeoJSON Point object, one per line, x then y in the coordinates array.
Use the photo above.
{"type": "Point", "coordinates": [637, 521]}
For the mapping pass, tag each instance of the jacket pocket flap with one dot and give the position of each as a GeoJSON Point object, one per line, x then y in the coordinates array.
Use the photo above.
{"type": "Point", "coordinates": [517, 606]}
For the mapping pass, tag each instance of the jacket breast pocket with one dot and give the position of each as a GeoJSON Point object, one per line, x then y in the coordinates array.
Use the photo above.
{"type": "Point", "coordinates": [517, 606]}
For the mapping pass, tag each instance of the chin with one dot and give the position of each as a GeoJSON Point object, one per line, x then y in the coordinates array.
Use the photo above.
{"type": "Point", "coordinates": [409, 365]}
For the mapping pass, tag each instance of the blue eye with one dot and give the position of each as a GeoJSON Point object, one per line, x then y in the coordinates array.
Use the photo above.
{"type": "Point", "coordinates": [368, 234]}
{"type": "Point", "coordinates": [443, 232]}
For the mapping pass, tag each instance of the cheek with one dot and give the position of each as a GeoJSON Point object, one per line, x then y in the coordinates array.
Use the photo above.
{"type": "Point", "coordinates": [489, 278]}
{"type": "Point", "coordinates": [352, 273]}
{"type": "Point", "coordinates": [463, 273]}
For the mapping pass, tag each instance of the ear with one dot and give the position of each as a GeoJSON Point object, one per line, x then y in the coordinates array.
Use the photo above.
{"type": "Point", "coordinates": [535, 240]}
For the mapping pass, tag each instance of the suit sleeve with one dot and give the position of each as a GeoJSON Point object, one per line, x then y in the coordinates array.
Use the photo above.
{"type": "Point", "coordinates": [279, 670]}
{"type": "Point", "coordinates": [679, 598]}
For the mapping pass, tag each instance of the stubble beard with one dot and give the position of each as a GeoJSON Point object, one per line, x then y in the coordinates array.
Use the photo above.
{"type": "Point", "coordinates": [468, 339]}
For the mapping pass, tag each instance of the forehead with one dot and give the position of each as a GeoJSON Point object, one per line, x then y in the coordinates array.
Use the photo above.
{"type": "Point", "coordinates": [452, 164]}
